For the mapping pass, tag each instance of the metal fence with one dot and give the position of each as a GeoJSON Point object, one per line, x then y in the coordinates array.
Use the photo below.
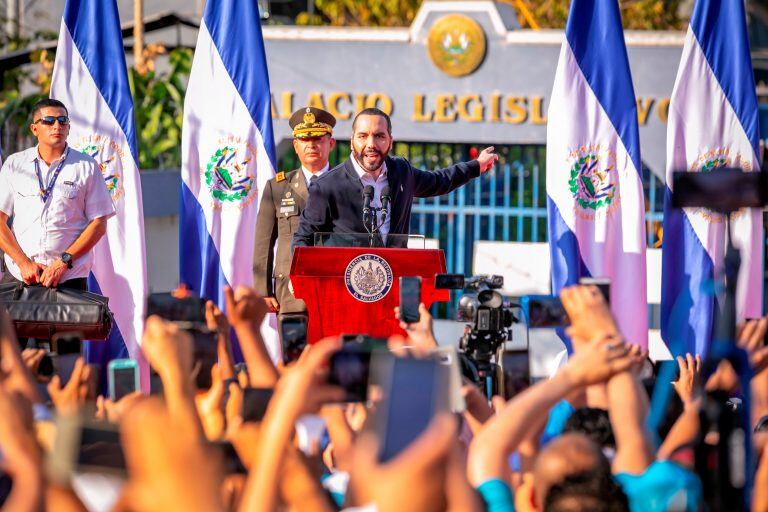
{"type": "Point", "coordinates": [508, 203]}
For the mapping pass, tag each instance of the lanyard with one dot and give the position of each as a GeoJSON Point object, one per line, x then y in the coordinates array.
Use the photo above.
{"type": "Point", "coordinates": [45, 192]}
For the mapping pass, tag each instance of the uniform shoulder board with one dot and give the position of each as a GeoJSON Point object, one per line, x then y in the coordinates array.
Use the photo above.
{"type": "Point", "coordinates": [279, 177]}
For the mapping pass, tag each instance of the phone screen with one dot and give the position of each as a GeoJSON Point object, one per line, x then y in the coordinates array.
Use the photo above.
{"type": "Point", "coordinates": [124, 381]}
{"type": "Point", "coordinates": [410, 297]}
{"type": "Point", "coordinates": [410, 402]}
{"type": "Point", "coordinates": [100, 448]}
{"type": "Point", "coordinates": [350, 368]}
{"type": "Point", "coordinates": [515, 365]}
{"type": "Point", "coordinates": [449, 281]}
{"type": "Point", "coordinates": [255, 402]}
{"type": "Point", "coordinates": [206, 354]}
{"type": "Point", "coordinates": [544, 311]}
{"type": "Point", "coordinates": [293, 336]}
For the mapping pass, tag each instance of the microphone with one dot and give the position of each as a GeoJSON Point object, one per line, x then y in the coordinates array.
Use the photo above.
{"type": "Point", "coordinates": [367, 198]}
{"type": "Point", "coordinates": [384, 203]}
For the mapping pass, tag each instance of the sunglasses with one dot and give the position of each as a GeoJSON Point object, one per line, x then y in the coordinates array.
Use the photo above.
{"type": "Point", "coordinates": [51, 120]}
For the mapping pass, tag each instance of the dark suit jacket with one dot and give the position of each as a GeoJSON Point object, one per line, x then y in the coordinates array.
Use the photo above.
{"type": "Point", "coordinates": [275, 224]}
{"type": "Point", "coordinates": [335, 202]}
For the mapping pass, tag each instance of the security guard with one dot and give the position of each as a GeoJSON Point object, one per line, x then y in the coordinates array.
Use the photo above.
{"type": "Point", "coordinates": [283, 200]}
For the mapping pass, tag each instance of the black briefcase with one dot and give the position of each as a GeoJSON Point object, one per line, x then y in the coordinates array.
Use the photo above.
{"type": "Point", "coordinates": [40, 312]}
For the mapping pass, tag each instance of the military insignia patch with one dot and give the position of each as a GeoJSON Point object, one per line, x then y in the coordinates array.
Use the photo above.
{"type": "Point", "coordinates": [368, 278]}
{"type": "Point", "coordinates": [279, 177]}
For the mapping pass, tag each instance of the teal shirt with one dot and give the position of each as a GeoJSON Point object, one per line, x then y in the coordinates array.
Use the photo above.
{"type": "Point", "coordinates": [497, 496]}
{"type": "Point", "coordinates": [664, 486]}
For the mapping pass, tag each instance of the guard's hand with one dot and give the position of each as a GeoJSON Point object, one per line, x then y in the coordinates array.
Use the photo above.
{"type": "Point", "coordinates": [53, 274]}
{"type": "Point", "coordinates": [272, 304]}
{"type": "Point", "coordinates": [487, 158]}
{"type": "Point", "coordinates": [30, 271]}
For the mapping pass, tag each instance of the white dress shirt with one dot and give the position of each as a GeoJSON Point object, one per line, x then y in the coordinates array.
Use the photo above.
{"type": "Point", "coordinates": [45, 230]}
{"type": "Point", "coordinates": [308, 174]}
{"type": "Point", "coordinates": [378, 186]}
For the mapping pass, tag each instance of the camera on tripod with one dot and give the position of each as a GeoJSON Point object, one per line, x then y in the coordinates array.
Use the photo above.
{"type": "Point", "coordinates": [489, 319]}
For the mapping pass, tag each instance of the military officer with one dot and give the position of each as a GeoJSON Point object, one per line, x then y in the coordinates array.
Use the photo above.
{"type": "Point", "coordinates": [281, 205]}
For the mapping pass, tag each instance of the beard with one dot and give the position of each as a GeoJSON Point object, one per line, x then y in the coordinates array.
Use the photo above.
{"type": "Point", "coordinates": [377, 163]}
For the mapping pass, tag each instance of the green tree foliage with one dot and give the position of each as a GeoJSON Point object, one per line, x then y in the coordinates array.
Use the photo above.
{"type": "Point", "coordinates": [158, 100]}
{"type": "Point", "coordinates": [635, 14]}
{"type": "Point", "coordinates": [371, 13]}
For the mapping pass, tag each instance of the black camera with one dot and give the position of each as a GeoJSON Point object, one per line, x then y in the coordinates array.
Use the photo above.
{"type": "Point", "coordinates": [489, 318]}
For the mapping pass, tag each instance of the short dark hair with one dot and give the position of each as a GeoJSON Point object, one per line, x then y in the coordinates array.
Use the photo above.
{"type": "Point", "coordinates": [45, 103]}
{"type": "Point", "coordinates": [587, 491]}
{"type": "Point", "coordinates": [593, 423]}
{"type": "Point", "coordinates": [373, 111]}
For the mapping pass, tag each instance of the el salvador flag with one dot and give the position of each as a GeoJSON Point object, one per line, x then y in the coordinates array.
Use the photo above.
{"type": "Point", "coordinates": [594, 183]}
{"type": "Point", "coordinates": [90, 78]}
{"type": "Point", "coordinates": [228, 151]}
{"type": "Point", "coordinates": [713, 122]}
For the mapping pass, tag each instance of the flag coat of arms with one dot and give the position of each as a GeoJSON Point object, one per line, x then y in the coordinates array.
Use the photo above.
{"type": "Point", "coordinates": [90, 78]}
{"type": "Point", "coordinates": [595, 199]}
{"type": "Point", "coordinates": [713, 122]}
{"type": "Point", "coordinates": [227, 149]}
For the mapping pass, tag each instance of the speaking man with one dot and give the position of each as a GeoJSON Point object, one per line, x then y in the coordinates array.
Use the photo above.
{"type": "Point", "coordinates": [59, 204]}
{"type": "Point", "coordinates": [337, 201]}
{"type": "Point", "coordinates": [282, 202]}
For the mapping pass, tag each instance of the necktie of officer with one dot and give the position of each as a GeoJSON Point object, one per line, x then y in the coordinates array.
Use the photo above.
{"type": "Point", "coordinates": [312, 180]}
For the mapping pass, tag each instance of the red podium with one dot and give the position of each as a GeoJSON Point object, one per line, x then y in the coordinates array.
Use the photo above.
{"type": "Point", "coordinates": [355, 289]}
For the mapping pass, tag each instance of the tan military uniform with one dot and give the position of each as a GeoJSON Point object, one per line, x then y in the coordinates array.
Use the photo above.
{"type": "Point", "coordinates": [283, 200]}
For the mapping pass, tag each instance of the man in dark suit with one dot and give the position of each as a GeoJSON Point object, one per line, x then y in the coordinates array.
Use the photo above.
{"type": "Point", "coordinates": [281, 204]}
{"type": "Point", "coordinates": [335, 204]}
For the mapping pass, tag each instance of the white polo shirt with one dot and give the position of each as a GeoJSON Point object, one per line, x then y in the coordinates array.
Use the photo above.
{"type": "Point", "coordinates": [45, 230]}
{"type": "Point", "coordinates": [378, 185]}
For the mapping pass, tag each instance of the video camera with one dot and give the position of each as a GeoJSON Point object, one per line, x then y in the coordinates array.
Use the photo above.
{"type": "Point", "coordinates": [489, 318]}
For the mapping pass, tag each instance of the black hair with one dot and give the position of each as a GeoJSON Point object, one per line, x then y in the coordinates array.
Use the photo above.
{"type": "Point", "coordinates": [45, 103]}
{"type": "Point", "coordinates": [593, 423]}
{"type": "Point", "coordinates": [373, 111]}
{"type": "Point", "coordinates": [587, 491]}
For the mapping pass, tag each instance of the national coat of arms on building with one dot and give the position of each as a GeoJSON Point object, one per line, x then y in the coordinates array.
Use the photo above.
{"type": "Point", "coordinates": [368, 278]}
{"type": "Point", "coordinates": [456, 44]}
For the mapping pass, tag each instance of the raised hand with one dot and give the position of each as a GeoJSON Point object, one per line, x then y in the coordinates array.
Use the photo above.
{"type": "Point", "coordinates": [420, 333]}
{"type": "Point", "coordinates": [591, 319]}
{"type": "Point", "coordinates": [244, 307]}
{"type": "Point", "coordinates": [74, 393]}
{"type": "Point", "coordinates": [751, 337]}
{"type": "Point", "coordinates": [487, 158]}
{"type": "Point", "coordinates": [688, 386]}
{"type": "Point", "coordinates": [598, 361]}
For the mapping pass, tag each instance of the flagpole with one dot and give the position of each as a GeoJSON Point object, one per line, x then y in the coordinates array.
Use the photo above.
{"type": "Point", "coordinates": [138, 35]}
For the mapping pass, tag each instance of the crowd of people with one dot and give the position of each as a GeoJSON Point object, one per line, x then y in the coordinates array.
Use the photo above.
{"type": "Point", "coordinates": [577, 441]}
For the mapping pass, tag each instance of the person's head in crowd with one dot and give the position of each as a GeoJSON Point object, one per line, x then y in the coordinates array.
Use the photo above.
{"type": "Point", "coordinates": [568, 455]}
{"type": "Point", "coordinates": [593, 423]}
{"type": "Point", "coordinates": [50, 123]}
{"type": "Point", "coordinates": [371, 138]}
{"type": "Point", "coordinates": [312, 136]}
{"type": "Point", "coordinates": [588, 491]}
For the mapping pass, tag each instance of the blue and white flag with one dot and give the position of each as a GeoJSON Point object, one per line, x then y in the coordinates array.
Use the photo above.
{"type": "Point", "coordinates": [90, 78]}
{"type": "Point", "coordinates": [228, 151]}
{"type": "Point", "coordinates": [713, 122]}
{"type": "Point", "coordinates": [594, 183]}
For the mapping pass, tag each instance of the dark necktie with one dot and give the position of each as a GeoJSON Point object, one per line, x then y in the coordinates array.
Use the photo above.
{"type": "Point", "coordinates": [312, 180]}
